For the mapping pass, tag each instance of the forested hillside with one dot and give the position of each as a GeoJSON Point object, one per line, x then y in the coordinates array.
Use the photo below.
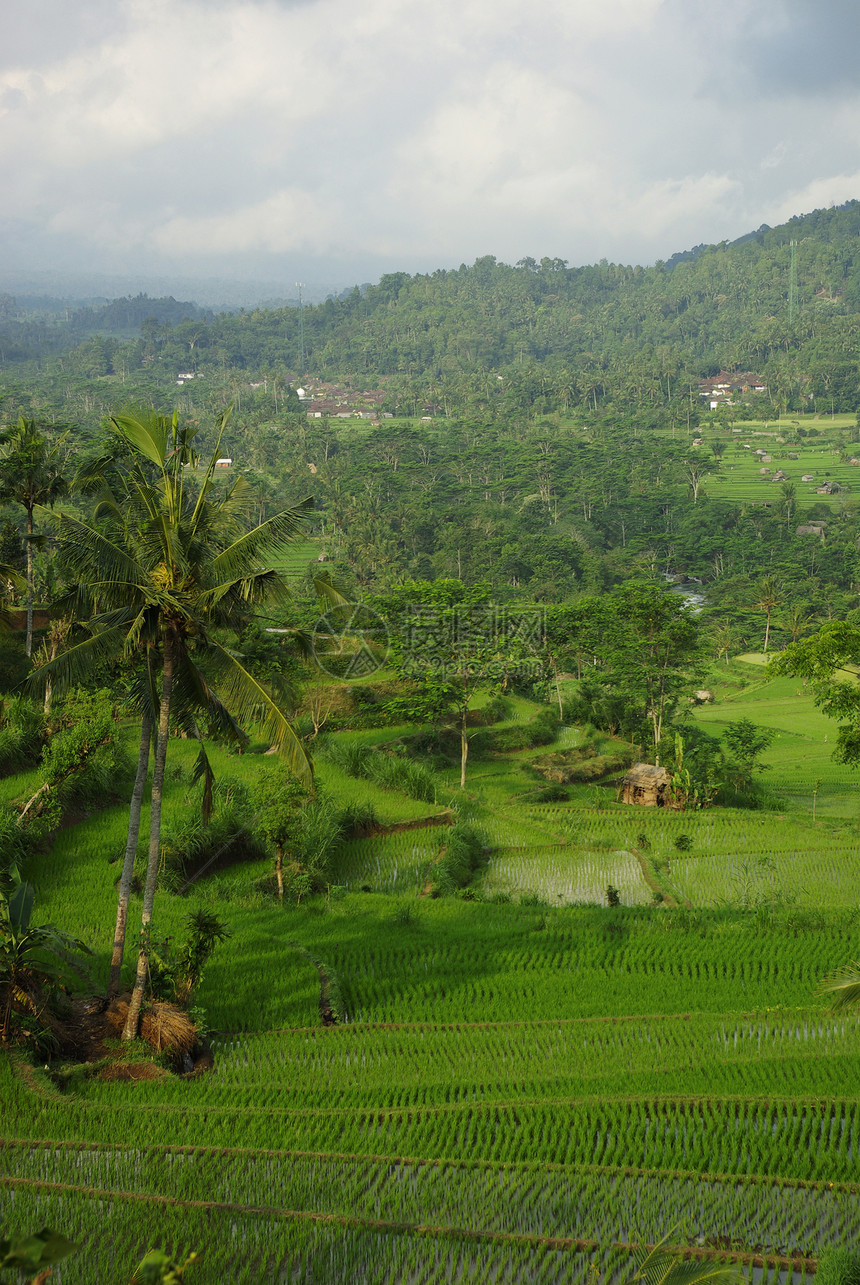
{"type": "Point", "coordinates": [600, 335]}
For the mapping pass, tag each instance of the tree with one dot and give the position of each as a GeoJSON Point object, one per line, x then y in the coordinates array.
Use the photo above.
{"type": "Point", "coordinates": [695, 472]}
{"type": "Point", "coordinates": [747, 743]}
{"type": "Point", "coordinates": [450, 642]}
{"type": "Point", "coordinates": [826, 659]}
{"type": "Point", "coordinates": [278, 805]}
{"type": "Point", "coordinates": [170, 566]}
{"type": "Point", "coordinates": [769, 598]}
{"type": "Point", "coordinates": [31, 474]}
{"type": "Point", "coordinates": [650, 652]}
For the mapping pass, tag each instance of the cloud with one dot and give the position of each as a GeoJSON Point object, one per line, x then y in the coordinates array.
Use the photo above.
{"type": "Point", "coordinates": [399, 133]}
{"type": "Point", "coordinates": [820, 194]}
{"type": "Point", "coordinates": [287, 222]}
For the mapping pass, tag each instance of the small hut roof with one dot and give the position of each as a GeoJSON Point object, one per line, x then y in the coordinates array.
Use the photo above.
{"type": "Point", "coordinates": [646, 774]}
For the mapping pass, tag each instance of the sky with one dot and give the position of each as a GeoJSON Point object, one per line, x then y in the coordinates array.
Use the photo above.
{"type": "Point", "coordinates": [330, 141]}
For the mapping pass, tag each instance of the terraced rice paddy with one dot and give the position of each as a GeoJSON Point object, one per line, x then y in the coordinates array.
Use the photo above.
{"type": "Point", "coordinates": [521, 1087]}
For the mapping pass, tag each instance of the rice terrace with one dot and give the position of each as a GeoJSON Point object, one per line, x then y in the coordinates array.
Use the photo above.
{"type": "Point", "coordinates": [429, 795]}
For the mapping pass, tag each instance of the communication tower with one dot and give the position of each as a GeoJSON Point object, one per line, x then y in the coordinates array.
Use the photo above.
{"type": "Point", "coordinates": [300, 285]}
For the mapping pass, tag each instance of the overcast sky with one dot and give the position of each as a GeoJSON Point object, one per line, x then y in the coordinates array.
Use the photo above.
{"type": "Point", "coordinates": [332, 140]}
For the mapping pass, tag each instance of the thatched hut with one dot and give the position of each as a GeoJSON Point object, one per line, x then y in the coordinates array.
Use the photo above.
{"type": "Point", "coordinates": [647, 786]}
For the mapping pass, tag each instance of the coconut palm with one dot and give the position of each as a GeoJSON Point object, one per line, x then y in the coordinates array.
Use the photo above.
{"type": "Point", "coordinates": [166, 567]}
{"type": "Point", "coordinates": [769, 598]}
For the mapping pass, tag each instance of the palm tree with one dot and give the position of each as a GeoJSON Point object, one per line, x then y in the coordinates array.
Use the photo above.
{"type": "Point", "coordinates": [30, 475]}
{"type": "Point", "coordinates": [165, 567]}
{"type": "Point", "coordinates": [769, 598]}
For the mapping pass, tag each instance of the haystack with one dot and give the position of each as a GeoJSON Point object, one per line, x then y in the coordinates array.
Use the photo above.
{"type": "Point", "coordinates": [165, 1027]}
{"type": "Point", "coordinates": [647, 786]}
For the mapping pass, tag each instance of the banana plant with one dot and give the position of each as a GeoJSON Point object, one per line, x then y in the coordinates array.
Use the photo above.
{"type": "Point", "coordinates": [33, 958]}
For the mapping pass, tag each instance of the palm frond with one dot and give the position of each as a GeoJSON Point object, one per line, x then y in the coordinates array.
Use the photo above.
{"type": "Point", "coordinates": [659, 1265]}
{"type": "Point", "coordinates": [77, 662]}
{"type": "Point", "coordinates": [328, 592]}
{"type": "Point", "coordinates": [206, 485]}
{"type": "Point", "coordinates": [145, 432]}
{"type": "Point", "coordinates": [90, 551]}
{"type": "Point", "coordinates": [203, 771]}
{"type": "Point", "coordinates": [192, 692]}
{"type": "Point", "coordinates": [251, 702]}
{"type": "Point", "coordinates": [843, 984]}
{"type": "Point", "coordinates": [266, 540]}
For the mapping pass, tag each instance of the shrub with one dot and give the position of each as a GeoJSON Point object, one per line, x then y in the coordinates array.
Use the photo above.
{"type": "Point", "coordinates": [191, 846]}
{"type": "Point", "coordinates": [392, 771]}
{"type": "Point", "coordinates": [22, 734]}
{"type": "Point", "coordinates": [553, 794]}
{"type": "Point", "coordinates": [496, 710]}
{"type": "Point", "coordinates": [357, 818]}
{"type": "Point", "coordinates": [464, 854]}
{"type": "Point", "coordinates": [542, 730]}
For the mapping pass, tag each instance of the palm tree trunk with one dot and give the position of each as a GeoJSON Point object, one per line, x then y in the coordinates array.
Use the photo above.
{"type": "Point", "coordinates": [130, 852]}
{"type": "Point", "coordinates": [133, 1018]}
{"type": "Point", "coordinates": [29, 582]}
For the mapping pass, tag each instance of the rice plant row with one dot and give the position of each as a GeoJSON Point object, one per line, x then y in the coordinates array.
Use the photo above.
{"type": "Point", "coordinates": [566, 874]}
{"type": "Point", "coordinates": [812, 1138]}
{"type": "Point", "coordinates": [555, 1203]}
{"type": "Point", "coordinates": [247, 1248]}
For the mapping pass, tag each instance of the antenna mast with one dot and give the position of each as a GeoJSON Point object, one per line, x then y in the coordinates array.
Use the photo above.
{"type": "Point", "coordinates": [300, 285]}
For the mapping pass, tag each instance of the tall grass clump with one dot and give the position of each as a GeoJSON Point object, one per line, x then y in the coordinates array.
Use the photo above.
{"type": "Point", "coordinates": [465, 853]}
{"type": "Point", "coordinates": [838, 1265]}
{"type": "Point", "coordinates": [194, 843]}
{"type": "Point", "coordinates": [542, 730]}
{"type": "Point", "coordinates": [391, 771]}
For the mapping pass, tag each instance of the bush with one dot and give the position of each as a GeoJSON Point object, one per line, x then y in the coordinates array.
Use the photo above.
{"type": "Point", "coordinates": [542, 730]}
{"type": "Point", "coordinates": [22, 735]}
{"type": "Point", "coordinates": [357, 818]}
{"type": "Point", "coordinates": [391, 771]}
{"type": "Point", "coordinates": [569, 767]}
{"type": "Point", "coordinates": [552, 794]}
{"type": "Point", "coordinates": [464, 854]}
{"type": "Point", "coordinates": [191, 845]}
{"type": "Point", "coordinates": [496, 710]}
